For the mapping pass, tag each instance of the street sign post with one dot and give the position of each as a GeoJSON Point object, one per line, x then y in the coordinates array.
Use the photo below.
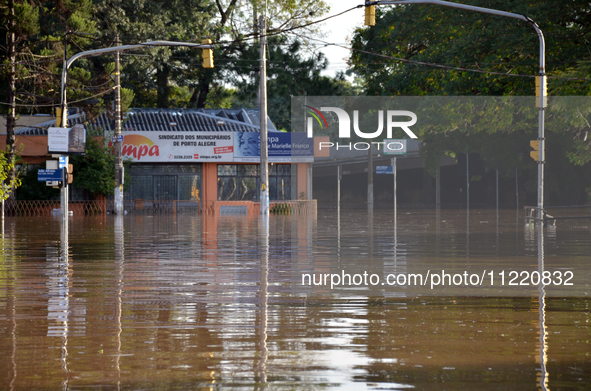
{"type": "Point", "coordinates": [385, 170]}
{"type": "Point", "coordinates": [48, 174]}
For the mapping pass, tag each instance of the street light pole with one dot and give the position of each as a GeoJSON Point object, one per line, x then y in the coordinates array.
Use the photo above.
{"type": "Point", "coordinates": [264, 174]}
{"type": "Point", "coordinates": [64, 106]}
{"type": "Point", "coordinates": [542, 76]}
{"type": "Point", "coordinates": [64, 198]}
{"type": "Point", "coordinates": [119, 173]}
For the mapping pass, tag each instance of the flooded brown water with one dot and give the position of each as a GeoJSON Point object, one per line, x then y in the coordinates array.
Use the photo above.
{"type": "Point", "coordinates": [199, 303]}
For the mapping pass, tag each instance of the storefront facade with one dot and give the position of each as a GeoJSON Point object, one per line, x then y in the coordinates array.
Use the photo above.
{"type": "Point", "coordinates": [211, 155]}
{"type": "Point", "coordinates": [200, 155]}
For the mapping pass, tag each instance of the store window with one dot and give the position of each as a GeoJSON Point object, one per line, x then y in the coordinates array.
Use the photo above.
{"type": "Point", "coordinates": [165, 182]}
{"type": "Point", "coordinates": [241, 182]}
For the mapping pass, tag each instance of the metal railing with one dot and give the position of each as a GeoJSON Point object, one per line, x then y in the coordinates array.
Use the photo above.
{"type": "Point", "coordinates": [573, 212]}
{"type": "Point", "coordinates": [291, 207]}
{"type": "Point", "coordinates": [140, 206]}
{"type": "Point", "coordinates": [48, 208]}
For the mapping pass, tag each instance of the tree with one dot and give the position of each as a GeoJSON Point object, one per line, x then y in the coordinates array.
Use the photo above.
{"type": "Point", "coordinates": [8, 179]}
{"type": "Point", "coordinates": [466, 39]}
{"type": "Point", "coordinates": [154, 74]}
{"type": "Point", "coordinates": [174, 77]}
{"type": "Point", "coordinates": [458, 40]}
{"type": "Point", "coordinates": [32, 46]}
{"type": "Point", "coordinates": [20, 20]}
{"type": "Point", "coordinates": [289, 73]}
{"type": "Point", "coordinates": [93, 172]}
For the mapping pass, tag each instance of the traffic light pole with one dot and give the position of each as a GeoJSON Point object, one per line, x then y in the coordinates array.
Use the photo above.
{"type": "Point", "coordinates": [370, 20]}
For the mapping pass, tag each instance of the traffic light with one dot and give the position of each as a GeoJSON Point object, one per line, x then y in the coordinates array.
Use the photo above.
{"type": "Point", "coordinates": [535, 144]}
{"type": "Point", "coordinates": [70, 174]}
{"type": "Point", "coordinates": [370, 15]}
{"type": "Point", "coordinates": [207, 55]}
{"type": "Point", "coordinates": [545, 92]}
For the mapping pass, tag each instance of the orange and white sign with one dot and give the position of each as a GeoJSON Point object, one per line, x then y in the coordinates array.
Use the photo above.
{"type": "Point", "coordinates": [146, 147]}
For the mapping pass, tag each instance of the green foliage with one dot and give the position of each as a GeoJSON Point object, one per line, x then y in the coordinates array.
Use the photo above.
{"type": "Point", "coordinates": [32, 189]}
{"type": "Point", "coordinates": [466, 39]}
{"type": "Point", "coordinates": [7, 166]}
{"type": "Point", "coordinates": [94, 172]}
{"type": "Point", "coordinates": [222, 97]}
{"type": "Point", "coordinates": [27, 19]}
{"type": "Point", "coordinates": [289, 73]}
{"type": "Point", "coordinates": [40, 28]}
{"type": "Point", "coordinates": [415, 36]}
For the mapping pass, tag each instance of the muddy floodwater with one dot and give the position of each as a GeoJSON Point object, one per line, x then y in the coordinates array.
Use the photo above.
{"type": "Point", "coordinates": [192, 302]}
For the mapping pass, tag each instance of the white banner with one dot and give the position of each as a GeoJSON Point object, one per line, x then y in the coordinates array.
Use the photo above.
{"type": "Point", "coordinates": [57, 139]}
{"type": "Point", "coordinates": [67, 141]}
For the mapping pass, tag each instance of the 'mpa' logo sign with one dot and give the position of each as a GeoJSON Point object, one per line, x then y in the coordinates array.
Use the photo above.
{"type": "Point", "coordinates": [345, 122]}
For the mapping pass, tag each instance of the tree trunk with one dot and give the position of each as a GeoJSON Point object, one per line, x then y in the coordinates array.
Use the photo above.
{"type": "Point", "coordinates": [162, 76]}
{"type": "Point", "coordinates": [199, 97]}
{"type": "Point", "coordinates": [11, 117]}
{"type": "Point", "coordinates": [203, 92]}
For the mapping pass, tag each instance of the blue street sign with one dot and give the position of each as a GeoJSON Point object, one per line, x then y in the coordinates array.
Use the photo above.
{"type": "Point", "coordinates": [49, 174]}
{"type": "Point", "coordinates": [385, 170]}
{"type": "Point", "coordinates": [117, 139]}
{"type": "Point", "coordinates": [62, 162]}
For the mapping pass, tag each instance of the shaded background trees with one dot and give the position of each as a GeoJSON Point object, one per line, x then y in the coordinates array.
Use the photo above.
{"type": "Point", "coordinates": [485, 55]}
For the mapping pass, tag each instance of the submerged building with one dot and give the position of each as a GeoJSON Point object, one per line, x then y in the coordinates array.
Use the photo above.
{"type": "Point", "coordinates": [195, 154]}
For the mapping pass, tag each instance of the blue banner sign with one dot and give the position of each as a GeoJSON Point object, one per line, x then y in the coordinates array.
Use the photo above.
{"type": "Point", "coordinates": [44, 175]}
{"type": "Point", "coordinates": [384, 170]}
{"type": "Point", "coordinates": [282, 147]}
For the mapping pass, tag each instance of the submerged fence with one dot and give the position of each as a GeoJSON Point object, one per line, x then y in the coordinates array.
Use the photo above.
{"type": "Point", "coordinates": [47, 208]}
{"type": "Point", "coordinates": [140, 206]}
{"type": "Point", "coordinates": [299, 207]}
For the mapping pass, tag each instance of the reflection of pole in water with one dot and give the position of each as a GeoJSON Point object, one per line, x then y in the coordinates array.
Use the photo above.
{"type": "Point", "coordinates": [261, 367]}
{"type": "Point", "coordinates": [542, 358]}
{"type": "Point", "coordinates": [119, 265]}
{"type": "Point", "coordinates": [58, 305]}
{"type": "Point", "coordinates": [11, 308]}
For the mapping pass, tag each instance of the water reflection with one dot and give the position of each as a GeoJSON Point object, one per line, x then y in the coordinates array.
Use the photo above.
{"type": "Point", "coordinates": [261, 366]}
{"type": "Point", "coordinates": [542, 358]}
{"type": "Point", "coordinates": [119, 241]}
{"type": "Point", "coordinates": [195, 302]}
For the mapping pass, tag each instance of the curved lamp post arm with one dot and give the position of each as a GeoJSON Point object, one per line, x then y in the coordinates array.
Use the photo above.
{"type": "Point", "coordinates": [109, 50]}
